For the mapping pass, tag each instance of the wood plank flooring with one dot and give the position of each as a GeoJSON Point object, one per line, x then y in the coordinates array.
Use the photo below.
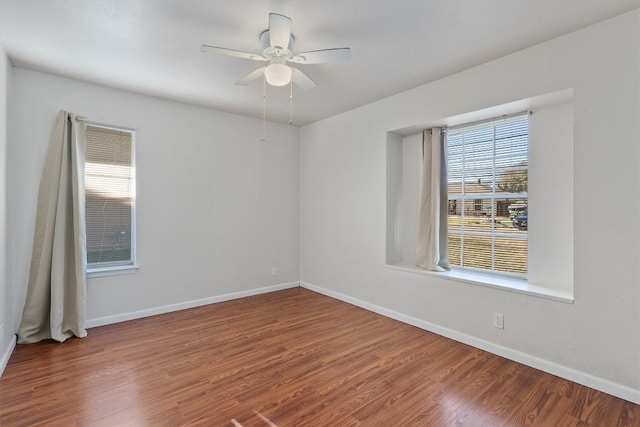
{"type": "Point", "coordinates": [288, 358]}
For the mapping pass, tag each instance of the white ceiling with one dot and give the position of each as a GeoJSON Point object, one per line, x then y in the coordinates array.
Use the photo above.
{"type": "Point", "coordinates": [153, 46]}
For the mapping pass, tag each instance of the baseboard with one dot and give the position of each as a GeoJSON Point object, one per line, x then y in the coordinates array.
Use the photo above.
{"type": "Point", "coordinates": [7, 354]}
{"type": "Point", "coordinates": [562, 371]}
{"type": "Point", "coordinates": [123, 317]}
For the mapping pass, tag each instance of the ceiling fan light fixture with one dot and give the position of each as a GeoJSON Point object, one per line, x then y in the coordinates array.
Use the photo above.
{"type": "Point", "coordinates": [278, 74]}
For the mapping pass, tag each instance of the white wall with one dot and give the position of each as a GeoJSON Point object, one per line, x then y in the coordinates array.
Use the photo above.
{"type": "Point", "coordinates": [550, 227]}
{"type": "Point", "coordinates": [216, 208]}
{"type": "Point", "coordinates": [5, 293]}
{"type": "Point", "coordinates": [411, 177]}
{"type": "Point", "coordinates": [596, 340]}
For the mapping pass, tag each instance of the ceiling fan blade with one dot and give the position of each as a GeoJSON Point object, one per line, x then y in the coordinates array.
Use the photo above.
{"type": "Point", "coordinates": [251, 77]}
{"type": "Point", "coordinates": [302, 80]}
{"type": "Point", "coordinates": [342, 54]}
{"type": "Point", "coordinates": [232, 52]}
{"type": "Point", "coordinates": [279, 30]}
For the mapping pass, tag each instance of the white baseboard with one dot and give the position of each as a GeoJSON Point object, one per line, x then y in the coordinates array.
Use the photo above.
{"type": "Point", "coordinates": [7, 354]}
{"type": "Point", "coordinates": [562, 371]}
{"type": "Point", "coordinates": [123, 317]}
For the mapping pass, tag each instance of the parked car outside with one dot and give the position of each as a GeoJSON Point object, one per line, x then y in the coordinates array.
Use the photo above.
{"type": "Point", "coordinates": [520, 220]}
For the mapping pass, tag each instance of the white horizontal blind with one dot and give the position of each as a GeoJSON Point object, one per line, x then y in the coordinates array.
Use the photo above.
{"type": "Point", "coordinates": [110, 197]}
{"type": "Point", "coordinates": [488, 185]}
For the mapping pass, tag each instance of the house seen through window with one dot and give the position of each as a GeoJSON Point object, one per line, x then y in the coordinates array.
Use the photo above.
{"type": "Point", "coordinates": [110, 197]}
{"type": "Point", "coordinates": [487, 186]}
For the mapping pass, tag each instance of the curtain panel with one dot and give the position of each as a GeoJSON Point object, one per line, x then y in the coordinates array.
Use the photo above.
{"type": "Point", "coordinates": [432, 247]}
{"type": "Point", "coordinates": [56, 295]}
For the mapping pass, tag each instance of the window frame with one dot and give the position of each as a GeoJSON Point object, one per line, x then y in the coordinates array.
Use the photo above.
{"type": "Point", "coordinates": [117, 267]}
{"type": "Point", "coordinates": [493, 198]}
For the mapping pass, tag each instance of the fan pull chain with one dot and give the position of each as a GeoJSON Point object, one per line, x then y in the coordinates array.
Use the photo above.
{"type": "Point", "coordinates": [291, 103]}
{"type": "Point", "coordinates": [264, 109]}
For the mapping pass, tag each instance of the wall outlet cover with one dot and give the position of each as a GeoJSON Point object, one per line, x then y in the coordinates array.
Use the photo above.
{"type": "Point", "coordinates": [498, 320]}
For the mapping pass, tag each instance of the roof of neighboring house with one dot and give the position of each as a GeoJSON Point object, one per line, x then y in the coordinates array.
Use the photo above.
{"type": "Point", "coordinates": [469, 187]}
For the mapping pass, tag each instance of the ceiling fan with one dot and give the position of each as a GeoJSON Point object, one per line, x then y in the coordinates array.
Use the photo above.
{"type": "Point", "coordinates": [277, 49]}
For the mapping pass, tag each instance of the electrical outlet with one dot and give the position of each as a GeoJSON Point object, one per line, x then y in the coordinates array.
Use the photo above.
{"type": "Point", "coordinates": [274, 271]}
{"type": "Point", "coordinates": [498, 320]}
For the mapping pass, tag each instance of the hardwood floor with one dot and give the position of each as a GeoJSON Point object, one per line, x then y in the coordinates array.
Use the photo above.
{"type": "Point", "coordinates": [288, 358]}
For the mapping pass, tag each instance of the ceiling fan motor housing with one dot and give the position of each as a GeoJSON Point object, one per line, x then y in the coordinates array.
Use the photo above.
{"type": "Point", "coordinates": [276, 54]}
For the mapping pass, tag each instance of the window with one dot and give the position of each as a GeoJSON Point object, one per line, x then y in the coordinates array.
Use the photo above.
{"type": "Point", "coordinates": [110, 197]}
{"type": "Point", "coordinates": [487, 176]}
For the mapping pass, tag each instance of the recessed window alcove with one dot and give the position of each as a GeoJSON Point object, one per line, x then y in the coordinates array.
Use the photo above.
{"type": "Point", "coordinates": [550, 246]}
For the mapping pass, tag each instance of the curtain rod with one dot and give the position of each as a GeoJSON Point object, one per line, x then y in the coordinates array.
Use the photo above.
{"type": "Point", "coordinates": [493, 119]}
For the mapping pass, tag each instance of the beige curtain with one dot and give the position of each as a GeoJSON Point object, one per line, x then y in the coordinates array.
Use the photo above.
{"type": "Point", "coordinates": [432, 249]}
{"type": "Point", "coordinates": [56, 296]}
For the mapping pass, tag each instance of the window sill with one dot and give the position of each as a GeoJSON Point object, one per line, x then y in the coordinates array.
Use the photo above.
{"type": "Point", "coordinates": [111, 271]}
{"type": "Point", "coordinates": [497, 282]}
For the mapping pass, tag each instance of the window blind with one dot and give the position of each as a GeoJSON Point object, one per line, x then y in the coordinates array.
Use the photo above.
{"type": "Point", "coordinates": [110, 197]}
{"type": "Point", "coordinates": [488, 184]}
